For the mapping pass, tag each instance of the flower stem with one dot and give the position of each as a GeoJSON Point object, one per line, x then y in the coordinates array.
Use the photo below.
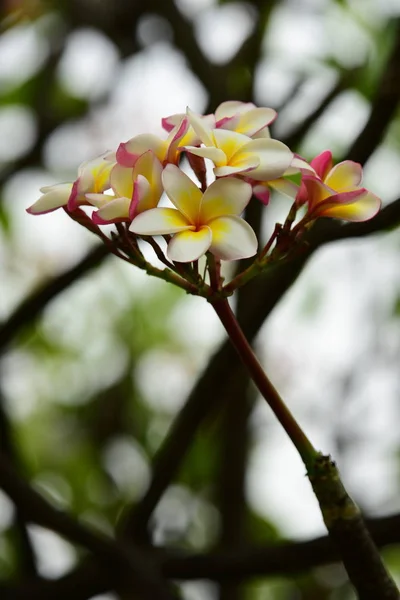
{"type": "Point", "coordinates": [341, 515]}
{"type": "Point", "coordinates": [305, 448]}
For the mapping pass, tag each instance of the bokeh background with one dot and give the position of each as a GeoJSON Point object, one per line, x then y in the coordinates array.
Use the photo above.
{"type": "Point", "coordinates": [92, 380]}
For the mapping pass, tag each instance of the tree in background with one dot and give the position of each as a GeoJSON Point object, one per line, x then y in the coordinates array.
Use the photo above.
{"type": "Point", "coordinates": [91, 433]}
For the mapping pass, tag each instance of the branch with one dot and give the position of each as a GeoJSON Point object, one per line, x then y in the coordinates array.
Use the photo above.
{"type": "Point", "coordinates": [294, 138]}
{"type": "Point", "coordinates": [33, 305]}
{"type": "Point", "coordinates": [25, 553]}
{"type": "Point", "coordinates": [384, 107]}
{"type": "Point", "coordinates": [217, 381]}
{"type": "Point", "coordinates": [129, 569]}
{"type": "Point", "coordinates": [286, 558]}
{"type": "Point", "coordinates": [274, 560]}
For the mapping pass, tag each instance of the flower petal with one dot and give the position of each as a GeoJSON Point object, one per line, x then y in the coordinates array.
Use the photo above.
{"type": "Point", "coordinates": [128, 152]}
{"type": "Point", "coordinates": [149, 168]}
{"type": "Point", "coordinates": [217, 156]}
{"type": "Point", "coordinates": [230, 141]}
{"type": "Point", "coordinates": [252, 121]}
{"type": "Point", "coordinates": [159, 221]}
{"type": "Point", "coordinates": [247, 162]}
{"type": "Point", "coordinates": [285, 186]}
{"type": "Point", "coordinates": [199, 124]}
{"type": "Point", "coordinates": [142, 198]}
{"type": "Point", "coordinates": [232, 238]}
{"type": "Point", "coordinates": [55, 196]}
{"type": "Point", "coordinates": [175, 140]}
{"type": "Point", "coordinates": [299, 165]}
{"type": "Point", "coordinates": [228, 196]}
{"type": "Point", "coordinates": [274, 158]}
{"type": "Point", "coordinates": [230, 108]}
{"type": "Point", "coordinates": [347, 207]}
{"type": "Point", "coordinates": [262, 193]}
{"type": "Point", "coordinates": [322, 164]}
{"type": "Point", "coordinates": [98, 200]}
{"type": "Point", "coordinates": [182, 192]}
{"type": "Point", "coordinates": [189, 245]}
{"type": "Point", "coordinates": [344, 176]}
{"type": "Point", "coordinates": [121, 180]}
{"type": "Point", "coordinates": [168, 123]}
{"type": "Point", "coordinates": [114, 211]}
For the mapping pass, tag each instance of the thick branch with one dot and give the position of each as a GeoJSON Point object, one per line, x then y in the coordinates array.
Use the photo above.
{"type": "Point", "coordinates": [130, 568]}
{"type": "Point", "coordinates": [286, 558]}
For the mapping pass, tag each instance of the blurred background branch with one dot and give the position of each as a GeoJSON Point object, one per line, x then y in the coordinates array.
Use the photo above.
{"type": "Point", "coordinates": [98, 409]}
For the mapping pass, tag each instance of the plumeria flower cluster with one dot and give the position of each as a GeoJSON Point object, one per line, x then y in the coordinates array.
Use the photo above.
{"type": "Point", "coordinates": [233, 159]}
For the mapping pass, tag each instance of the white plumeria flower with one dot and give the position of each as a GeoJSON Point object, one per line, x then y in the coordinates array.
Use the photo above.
{"type": "Point", "coordinates": [244, 117]}
{"type": "Point", "coordinates": [201, 222]}
{"type": "Point", "coordinates": [165, 150]}
{"type": "Point", "coordinates": [285, 186]}
{"type": "Point", "coordinates": [133, 191]}
{"type": "Point", "coordinates": [236, 154]}
{"type": "Point", "coordinates": [93, 176]}
{"type": "Point", "coordinates": [54, 196]}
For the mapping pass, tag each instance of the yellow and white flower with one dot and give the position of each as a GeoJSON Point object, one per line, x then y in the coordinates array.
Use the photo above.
{"type": "Point", "coordinates": [133, 191]}
{"type": "Point", "coordinates": [93, 176]}
{"type": "Point", "coordinates": [201, 222]}
{"type": "Point", "coordinates": [237, 154]}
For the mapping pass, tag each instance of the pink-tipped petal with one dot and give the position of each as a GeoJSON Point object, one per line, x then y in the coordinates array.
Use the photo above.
{"type": "Point", "coordinates": [73, 200]}
{"type": "Point", "coordinates": [189, 245]}
{"type": "Point", "coordinates": [315, 192]}
{"type": "Point", "coordinates": [262, 193]}
{"type": "Point", "coordinates": [350, 207]}
{"type": "Point", "coordinates": [230, 108]}
{"type": "Point", "coordinates": [159, 221]}
{"type": "Point", "coordinates": [54, 197]}
{"type": "Point", "coordinates": [274, 158]}
{"type": "Point", "coordinates": [322, 164]}
{"type": "Point", "coordinates": [228, 196]}
{"type": "Point", "coordinates": [168, 123]}
{"type": "Point", "coordinates": [175, 139]}
{"type": "Point", "coordinates": [232, 238]}
{"type": "Point", "coordinates": [124, 157]}
{"type": "Point", "coordinates": [182, 192]}
{"type": "Point", "coordinates": [128, 152]}
{"type": "Point", "coordinates": [142, 198]}
{"type": "Point", "coordinates": [344, 176]}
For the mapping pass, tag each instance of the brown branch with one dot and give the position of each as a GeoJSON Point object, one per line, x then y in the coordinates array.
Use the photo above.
{"type": "Point", "coordinates": [384, 107]}
{"type": "Point", "coordinates": [281, 559]}
{"type": "Point", "coordinates": [132, 570]}
{"type": "Point", "coordinates": [235, 440]}
{"type": "Point", "coordinates": [25, 553]}
{"type": "Point", "coordinates": [216, 381]}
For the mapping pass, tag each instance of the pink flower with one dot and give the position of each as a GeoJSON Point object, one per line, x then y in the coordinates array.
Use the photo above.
{"type": "Point", "coordinates": [335, 191]}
